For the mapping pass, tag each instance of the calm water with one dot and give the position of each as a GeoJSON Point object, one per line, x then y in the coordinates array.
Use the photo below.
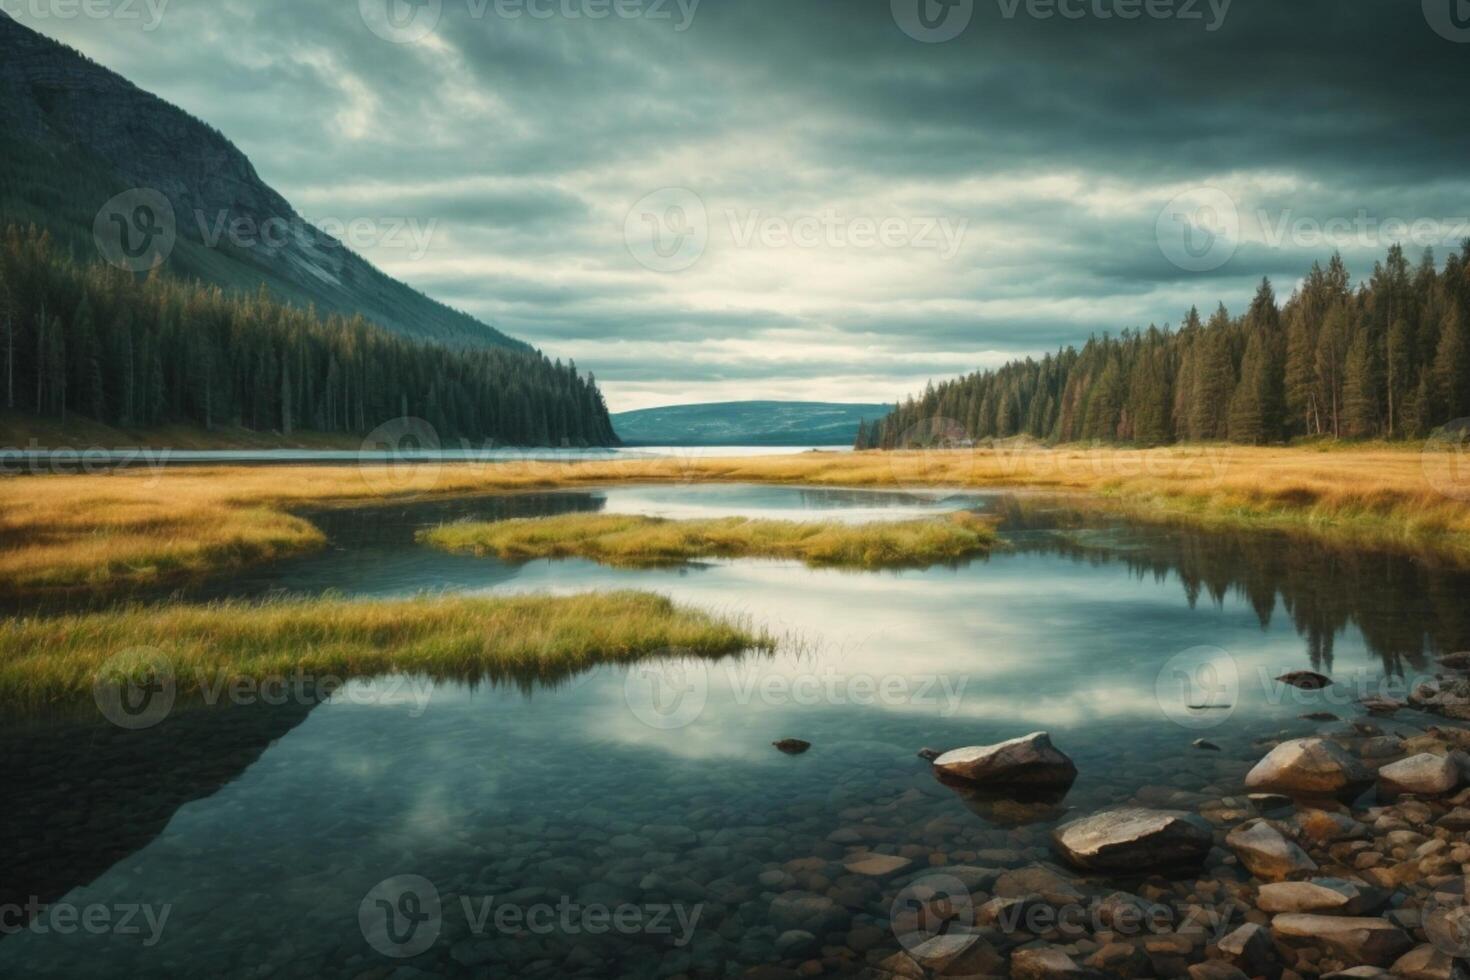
{"type": "Point", "coordinates": [638, 822]}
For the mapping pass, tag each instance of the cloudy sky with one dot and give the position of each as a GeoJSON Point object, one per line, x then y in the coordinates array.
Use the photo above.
{"type": "Point", "coordinates": [814, 199]}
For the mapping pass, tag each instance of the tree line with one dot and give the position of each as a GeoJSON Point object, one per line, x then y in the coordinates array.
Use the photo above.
{"type": "Point", "coordinates": [99, 342]}
{"type": "Point", "coordinates": [1389, 359]}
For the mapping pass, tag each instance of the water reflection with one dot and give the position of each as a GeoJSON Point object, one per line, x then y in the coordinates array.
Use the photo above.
{"type": "Point", "coordinates": [266, 831]}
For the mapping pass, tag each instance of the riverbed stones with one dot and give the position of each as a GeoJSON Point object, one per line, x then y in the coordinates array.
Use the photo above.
{"type": "Point", "coordinates": [806, 912]}
{"type": "Point", "coordinates": [876, 865]}
{"type": "Point", "coordinates": [1335, 896]}
{"type": "Point", "coordinates": [1030, 760]}
{"type": "Point", "coordinates": [1250, 950]}
{"type": "Point", "coordinates": [1216, 970]}
{"type": "Point", "coordinates": [1134, 839]}
{"type": "Point", "coordinates": [1266, 853]}
{"type": "Point", "coordinates": [1428, 962]}
{"type": "Point", "coordinates": [1309, 767]}
{"type": "Point", "coordinates": [1037, 879]}
{"type": "Point", "coordinates": [1048, 963]}
{"type": "Point", "coordinates": [1425, 774]}
{"type": "Point", "coordinates": [1365, 941]}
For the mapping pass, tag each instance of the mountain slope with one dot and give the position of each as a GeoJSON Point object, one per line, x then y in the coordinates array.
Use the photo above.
{"type": "Point", "coordinates": [73, 135]}
{"type": "Point", "coordinates": [754, 423]}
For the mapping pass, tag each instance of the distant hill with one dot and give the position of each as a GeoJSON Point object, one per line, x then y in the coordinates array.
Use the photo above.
{"type": "Point", "coordinates": [73, 135]}
{"type": "Point", "coordinates": [757, 423]}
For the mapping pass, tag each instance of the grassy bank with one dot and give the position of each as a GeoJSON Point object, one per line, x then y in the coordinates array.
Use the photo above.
{"type": "Point", "coordinates": [630, 540]}
{"type": "Point", "coordinates": [136, 526]}
{"type": "Point", "coordinates": [56, 660]}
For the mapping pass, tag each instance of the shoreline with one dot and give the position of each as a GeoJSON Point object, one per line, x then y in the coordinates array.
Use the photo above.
{"type": "Point", "coordinates": [141, 527]}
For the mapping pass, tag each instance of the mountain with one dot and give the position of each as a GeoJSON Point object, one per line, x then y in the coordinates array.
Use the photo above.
{"type": "Point", "coordinates": [755, 423]}
{"type": "Point", "coordinates": [73, 135]}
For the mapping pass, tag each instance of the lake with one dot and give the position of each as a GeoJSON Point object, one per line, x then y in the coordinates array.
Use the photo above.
{"type": "Point", "coordinates": [638, 821]}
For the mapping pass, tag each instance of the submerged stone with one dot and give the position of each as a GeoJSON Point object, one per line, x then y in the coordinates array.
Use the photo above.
{"type": "Point", "coordinates": [1134, 838]}
{"type": "Point", "coordinates": [1030, 760]}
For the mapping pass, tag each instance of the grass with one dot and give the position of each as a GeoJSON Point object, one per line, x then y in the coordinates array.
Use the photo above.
{"type": "Point", "coordinates": [630, 540]}
{"type": "Point", "coordinates": [45, 661]}
{"type": "Point", "coordinates": [138, 526]}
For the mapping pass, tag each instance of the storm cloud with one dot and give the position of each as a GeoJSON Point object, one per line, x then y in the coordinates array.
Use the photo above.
{"type": "Point", "coordinates": [817, 199]}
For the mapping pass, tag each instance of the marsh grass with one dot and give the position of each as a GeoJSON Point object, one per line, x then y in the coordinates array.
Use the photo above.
{"type": "Point", "coordinates": [138, 526]}
{"type": "Point", "coordinates": [56, 660]}
{"type": "Point", "coordinates": [632, 540]}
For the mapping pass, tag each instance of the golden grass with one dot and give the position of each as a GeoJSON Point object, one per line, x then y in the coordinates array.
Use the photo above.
{"type": "Point", "coordinates": [631, 540]}
{"type": "Point", "coordinates": [139, 525]}
{"type": "Point", "coordinates": [58, 659]}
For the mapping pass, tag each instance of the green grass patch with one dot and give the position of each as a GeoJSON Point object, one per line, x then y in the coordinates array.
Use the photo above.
{"type": "Point", "coordinates": [56, 660]}
{"type": "Point", "coordinates": [632, 540]}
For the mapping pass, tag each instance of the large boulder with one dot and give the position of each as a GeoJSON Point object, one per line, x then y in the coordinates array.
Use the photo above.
{"type": "Point", "coordinates": [1134, 839]}
{"type": "Point", "coordinates": [1366, 941]}
{"type": "Point", "coordinates": [1309, 767]}
{"type": "Point", "coordinates": [1425, 774]}
{"type": "Point", "coordinates": [1266, 854]}
{"type": "Point", "coordinates": [1030, 760]}
{"type": "Point", "coordinates": [1335, 896]}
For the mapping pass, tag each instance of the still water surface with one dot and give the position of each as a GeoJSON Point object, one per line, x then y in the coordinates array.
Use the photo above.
{"type": "Point", "coordinates": [654, 791]}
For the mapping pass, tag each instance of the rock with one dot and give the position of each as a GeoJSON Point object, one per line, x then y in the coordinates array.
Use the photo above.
{"type": "Point", "coordinates": [1030, 760]}
{"type": "Point", "coordinates": [1134, 839]}
{"type": "Point", "coordinates": [928, 754]}
{"type": "Point", "coordinates": [792, 746]}
{"type": "Point", "coordinates": [1456, 661]}
{"type": "Point", "coordinates": [1335, 896]}
{"type": "Point", "coordinates": [1307, 680]}
{"type": "Point", "coordinates": [1319, 716]}
{"type": "Point", "coordinates": [1120, 960]}
{"type": "Point", "coordinates": [795, 942]}
{"type": "Point", "coordinates": [1039, 880]}
{"type": "Point", "coordinates": [1130, 915]}
{"type": "Point", "coordinates": [1266, 854]}
{"type": "Point", "coordinates": [1382, 706]}
{"type": "Point", "coordinates": [1422, 775]}
{"type": "Point", "coordinates": [973, 878]}
{"type": "Point", "coordinates": [958, 954]}
{"type": "Point", "coordinates": [806, 911]}
{"type": "Point", "coordinates": [1365, 941]}
{"type": "Point", "coordinates": [1206, 744]}
{"type": "Point", "coordinates": [1427, 962]}
{"type": "Point", "coordinates": [1216, 970]}
{"type": "Point", "coordinates": [1326, 827]}
{"type": "Point", "coordinates": [1250, 950]}
{"type": "Point", "coordinates": [876, 865]}
{"type": "Point", "coordinates": [1048, 963]}
{"type": "Point", "coordinates": [1309, 767]}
